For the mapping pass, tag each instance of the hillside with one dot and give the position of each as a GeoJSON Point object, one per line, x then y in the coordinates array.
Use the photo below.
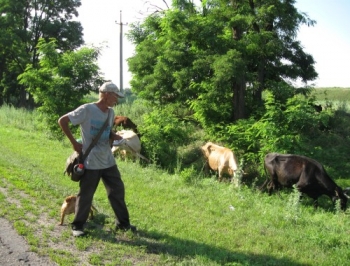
{"type": "Point", "coordinates": [183, 218]}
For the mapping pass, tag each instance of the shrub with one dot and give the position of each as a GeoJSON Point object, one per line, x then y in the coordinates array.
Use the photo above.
{"type": "Point", "coordinates": [288, 127]}
{"type": "Point", "coordinates": [161, 134]}
{"type": "Point", "coordinates": [189, 175]}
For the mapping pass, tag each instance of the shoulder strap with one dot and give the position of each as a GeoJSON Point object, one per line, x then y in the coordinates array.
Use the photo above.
{"type": "Point", "coordinates": [94, 141]}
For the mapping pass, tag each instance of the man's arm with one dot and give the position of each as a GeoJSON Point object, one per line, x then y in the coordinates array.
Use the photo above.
{"type": "Point", "coordinates": [64, 121]}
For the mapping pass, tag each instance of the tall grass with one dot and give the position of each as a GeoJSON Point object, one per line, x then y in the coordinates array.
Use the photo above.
{"type": "Point", "coordinates": [19, 118]}
{"type": "Point", "coordinates": [183, 218]}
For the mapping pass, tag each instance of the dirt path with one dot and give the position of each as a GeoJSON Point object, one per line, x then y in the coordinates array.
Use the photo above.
{"type": "Point", "coordinates": [14, 250]}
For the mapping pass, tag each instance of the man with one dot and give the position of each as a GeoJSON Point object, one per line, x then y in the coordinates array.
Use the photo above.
{"type": "Point", "coordinates": [100, 163]}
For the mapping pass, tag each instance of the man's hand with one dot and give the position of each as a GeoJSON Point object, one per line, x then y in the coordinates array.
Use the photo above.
{"type": "Point", "coordinates": [78, 147]}
{"type": "Point", "coordinates": [114, 136]}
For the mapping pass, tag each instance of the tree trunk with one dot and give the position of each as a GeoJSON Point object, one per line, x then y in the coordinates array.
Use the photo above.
{"type": "Point", "coordinates": [239, 99]}
{"type": "Point", "coordinates": [22, 97]}
{"type": "Point", "coordinates": [238, 84]}
{"type": "Point", "coordinates": [257, 94]}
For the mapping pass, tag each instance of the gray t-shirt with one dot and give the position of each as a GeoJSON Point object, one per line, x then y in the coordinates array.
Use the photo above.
{"type": "Point", "coordinates": [91, 119]}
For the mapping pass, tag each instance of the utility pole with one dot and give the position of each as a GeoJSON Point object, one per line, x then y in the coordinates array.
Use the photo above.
{"type": "Point", "coordinates": [121, 51]}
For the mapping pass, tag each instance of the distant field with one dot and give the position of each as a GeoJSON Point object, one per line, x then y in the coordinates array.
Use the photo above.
{"type": "Point", "coordinates": [332, 94]}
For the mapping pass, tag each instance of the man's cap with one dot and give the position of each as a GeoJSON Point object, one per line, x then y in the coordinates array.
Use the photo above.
{"type": "Point", "coordinates": [111, 87]}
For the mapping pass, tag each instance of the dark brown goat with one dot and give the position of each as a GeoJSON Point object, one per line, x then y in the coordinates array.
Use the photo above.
{"type": "Point", "coordinates": [125, 122]}
{"type": "Point", "coordinates": [308, 176]}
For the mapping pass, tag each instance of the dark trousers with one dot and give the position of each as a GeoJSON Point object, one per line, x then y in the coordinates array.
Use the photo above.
{"type": "Point", "coordinates": [115, 192]}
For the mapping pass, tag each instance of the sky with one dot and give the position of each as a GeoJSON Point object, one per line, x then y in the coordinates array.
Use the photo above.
{"type": "Point", "coordinates": [328, 41]}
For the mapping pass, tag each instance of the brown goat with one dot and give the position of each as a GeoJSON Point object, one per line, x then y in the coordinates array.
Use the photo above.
{"type": "Point", "coordinates": [125, 122]}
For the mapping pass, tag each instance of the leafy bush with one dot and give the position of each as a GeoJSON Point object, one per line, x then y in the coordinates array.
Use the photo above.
{"type": "Point", "coordinates": [288, 126]}
{"type": "Point", "coordinates": [189, 175]}
{"type": "Point", "coordinates": [162, 133]}
{"type": "Point", "coordinates": [61, 81]}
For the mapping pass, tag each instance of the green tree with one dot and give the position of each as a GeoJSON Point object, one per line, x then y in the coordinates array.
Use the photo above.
{"type": "Point", "coordinates": [217, 58]}
{"type": "Point", "coordinates": [61, 80]}
{"type": "Point", "coordinates": [23, 23]}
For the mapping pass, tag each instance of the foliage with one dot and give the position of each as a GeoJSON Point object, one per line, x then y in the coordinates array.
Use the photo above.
{"type": "Point", "coordinates": [217, 58]}
{"type": "Point", "coordinates": [62, 80]}
{"type": "Point", "coordinates": [294, 207]}
{"type": "Point", "coordinates": [23, 23]}
{"type": "Point", "coordinates": [133, 108]}
{"type": "Point", "coordinates": [286, 127]}
{"type": "Point", "coordinates": [161, 135]}
{"type": "Point", "coordinates": [190, 175]}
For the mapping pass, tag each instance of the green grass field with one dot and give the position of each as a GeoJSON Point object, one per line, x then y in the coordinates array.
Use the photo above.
{"type": "Point", "coordinates": [181, 220]}
{"type": "Point", "coordinates": [332, 94]}
{"type": "Point", "coordinates": [338, 97]}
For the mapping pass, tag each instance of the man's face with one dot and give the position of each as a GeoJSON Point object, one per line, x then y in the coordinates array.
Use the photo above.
{"type": "Point", "coordinates": [112, 99]}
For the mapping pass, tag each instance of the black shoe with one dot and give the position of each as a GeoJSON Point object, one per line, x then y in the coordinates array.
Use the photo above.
{"type": "Point", "coordinates": [130, 227]}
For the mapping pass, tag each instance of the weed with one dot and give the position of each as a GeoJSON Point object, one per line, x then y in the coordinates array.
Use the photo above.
{"type": "Point", "coordinates": [293, 205]}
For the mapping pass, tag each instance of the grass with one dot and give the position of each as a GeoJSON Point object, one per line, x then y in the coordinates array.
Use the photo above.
{"type": "Point", "coordinates": [333, 94]}
{"type": "Point", "coordinates": [183, 219]}
{"type": "Point", "coordinates": [337, 97]}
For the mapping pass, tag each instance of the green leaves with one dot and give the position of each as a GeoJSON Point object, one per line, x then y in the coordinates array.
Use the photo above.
{"type": "Point", "coordinates": [222, 47]}
{"type": "Point", "coordinates": [162, 134]}
{"type": "Point", "coordinates": [23, 23]}
{"type": "Point", "coordinates": [61, 81]}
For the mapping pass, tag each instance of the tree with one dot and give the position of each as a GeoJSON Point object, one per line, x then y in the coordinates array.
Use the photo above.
{"type": "Point", "coordinates": [217, 58]}
{"type": "Point", "coordinates": [23, 23]}
{"type": "Point", "coordinates": [61, 80]}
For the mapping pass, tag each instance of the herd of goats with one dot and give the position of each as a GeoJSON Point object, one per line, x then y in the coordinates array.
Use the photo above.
{"type": "Point", "coordinates": [284, 170]}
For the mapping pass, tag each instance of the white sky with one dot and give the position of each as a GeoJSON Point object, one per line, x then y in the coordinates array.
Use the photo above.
{"type": "Point", "coordinates": [328, 41]}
